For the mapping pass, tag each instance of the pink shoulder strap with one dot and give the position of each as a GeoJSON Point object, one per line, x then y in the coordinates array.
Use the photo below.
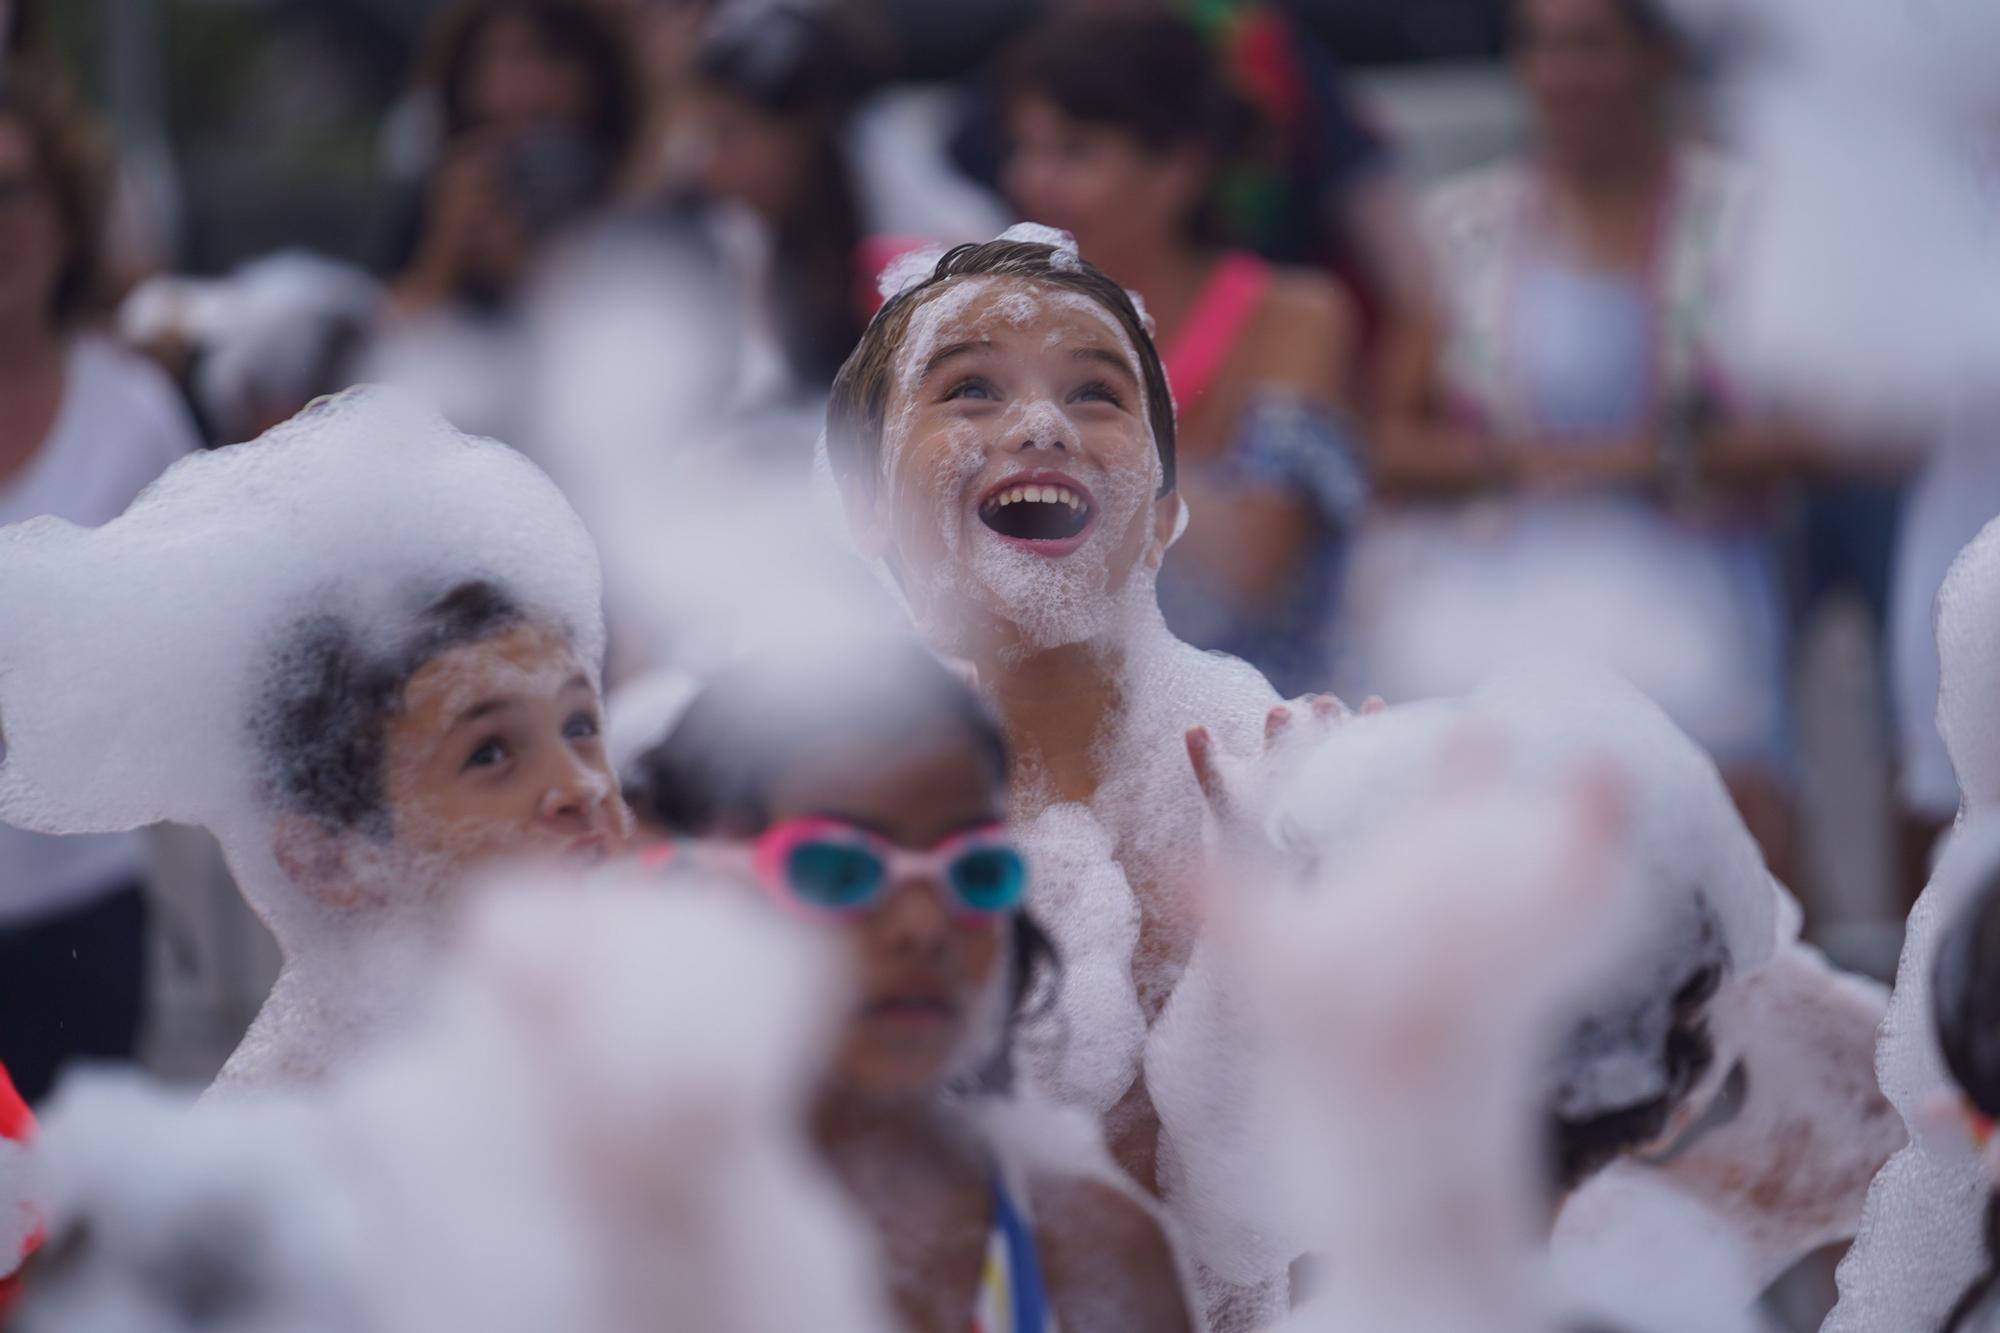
{"type": "Point", "coordinates": [1219, 317]}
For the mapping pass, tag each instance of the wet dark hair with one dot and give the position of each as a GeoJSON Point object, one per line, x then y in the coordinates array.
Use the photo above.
{"type": "Point", "coordinates": [1152, 76]}
{"type": "Point", "coordinates": [71, 161]}
{"type": "Point", "coordinates": [1647, 20]}
{"type": "Point", "coordinates": [1579, 1148]}
{"type": "Point", "coordinates": [856, 411]}
{"type": "Point", "coordinates": [584, 31]}
{"type": "Point", "coordinates": [1965, 1005]}
{"type": "Point", "coordinates": [715, 771]}
{"type": "Point", "coordinates": [322, 723]}
{"type": "Point", "coordinates": [1650, 21]}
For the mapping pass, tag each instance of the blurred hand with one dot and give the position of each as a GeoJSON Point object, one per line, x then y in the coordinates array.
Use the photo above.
{"type": "Point", "coordinates": [465, 200]}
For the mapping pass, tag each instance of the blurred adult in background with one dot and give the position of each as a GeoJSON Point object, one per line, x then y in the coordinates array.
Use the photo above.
{"type": "Point", "coordinates": [84, 426]}
{"type": "Point", "coordinates": [668, 36]}
{"type": "Point", "coordinates": [537, 106]}
{"type": "Point", "coordinates": [1122, 129]}
{"type": "Point", "coordinates": [1567, 465]}
{"type": "Point", "coordinates": [1321, 188]}
{"type": "Point", "coordinates": [774, 88]}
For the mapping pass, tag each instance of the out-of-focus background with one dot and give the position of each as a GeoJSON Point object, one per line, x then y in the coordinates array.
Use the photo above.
{"type": "Point", "coordinates": [1417, 391]}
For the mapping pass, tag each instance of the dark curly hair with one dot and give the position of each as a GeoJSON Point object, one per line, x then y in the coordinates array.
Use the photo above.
{"type": "Point", "coordinates": [321, 725]}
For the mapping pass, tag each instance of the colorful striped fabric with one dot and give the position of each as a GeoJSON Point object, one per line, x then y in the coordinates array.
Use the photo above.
{"type": "Point", "coordinates": [1011, 1296]}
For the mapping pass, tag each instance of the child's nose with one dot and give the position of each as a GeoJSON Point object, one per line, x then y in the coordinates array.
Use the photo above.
{"type": "Point", "coordinates": [1046, 428]}
{"type": "Point", "coordinates": [575, 793]}
{"type": "Point", "coordinates": [914, 919]}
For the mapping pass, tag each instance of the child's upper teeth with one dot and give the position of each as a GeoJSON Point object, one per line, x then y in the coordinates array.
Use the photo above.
{"type": "Point", "coordinates": [1048, 495]}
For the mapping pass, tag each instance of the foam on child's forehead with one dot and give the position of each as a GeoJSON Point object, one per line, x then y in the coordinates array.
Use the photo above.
{"type": "Point", "coordinates": [133, 656]}
{"type": "Point", "coordinates": [967, 309]}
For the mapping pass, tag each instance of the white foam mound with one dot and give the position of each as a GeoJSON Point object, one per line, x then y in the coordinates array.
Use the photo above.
{"type": "Point", "coordinates": [576, 1137]}
{"type": "Point", "coordinates": [1968, 641]}
{"type": "Point", "coordinates": [1038, 233]}
{"type": "Point", "coordinates": [132, 655]}
{"type": "Point", "coordinates": [1419, 988]}
{"type": "Point", "coordinates": [1707, 894]}
{"type": "Point", "coordinates": [907, 270]}
{"type": "Point", "coordinates": [1920, 1244]}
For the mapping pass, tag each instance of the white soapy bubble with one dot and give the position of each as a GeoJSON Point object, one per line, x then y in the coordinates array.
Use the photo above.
{"type": "Point", "coordinates": [1661, 1265]}
{"type": "Point", "coordinates": [907, 270]}
{"type": "Point", "coordinates": [162, 1219]}
{"type": "Point", "coordinates": [1921, 1241]}
{"type": "Point", "coordinates": [1084, 1051]}
{"type": "Point", "coordinates": [697, 492]}
{"type": "Point", "coordinates": [1709, 898]}
{"type": "Point", "coordinates": [1036, 233]}
{"type": "Point", "coordinates": [569, 1138]}
{"type": "Point", "coordinates": [1706, 905]}
{"type": "Point", "coordinates": [1968, 640]}
{"type": "Point", "coordinates": [640, 713]}
{"type": "Point", "coordinates": [1419, 988]}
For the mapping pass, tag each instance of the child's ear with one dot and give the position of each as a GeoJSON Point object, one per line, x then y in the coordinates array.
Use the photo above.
{"type": "Point", "coordinates": [313, 855]}
{"type": "Point", "coordinates": [1167, 515]}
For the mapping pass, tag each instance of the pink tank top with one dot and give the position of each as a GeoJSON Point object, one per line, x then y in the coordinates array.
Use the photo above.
{"type": "Point", "coordinates": [1221, 313]}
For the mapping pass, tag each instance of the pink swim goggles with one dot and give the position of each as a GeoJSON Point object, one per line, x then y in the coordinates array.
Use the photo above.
{"type": "Point", "coordinates": [828, 869]}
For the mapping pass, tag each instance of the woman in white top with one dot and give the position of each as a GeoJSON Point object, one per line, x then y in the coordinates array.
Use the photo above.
{"type": "Point", "coordinates": [84, 426]}
{"type": "Point", "coordinates": [1566, 466]}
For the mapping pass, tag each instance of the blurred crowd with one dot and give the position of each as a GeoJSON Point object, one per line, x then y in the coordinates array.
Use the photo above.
{"type": "Point", "coordinates": [1423, 426]}
{"type": "Point", "coordinates": [714, 337]}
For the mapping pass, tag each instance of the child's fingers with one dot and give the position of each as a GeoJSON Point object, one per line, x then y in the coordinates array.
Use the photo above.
{"type": "Point", "coordinates": [1201, 754]}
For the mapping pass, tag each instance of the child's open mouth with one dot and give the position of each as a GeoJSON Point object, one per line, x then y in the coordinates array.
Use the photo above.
{"type": "Point", "coordinates": [1045, 511]}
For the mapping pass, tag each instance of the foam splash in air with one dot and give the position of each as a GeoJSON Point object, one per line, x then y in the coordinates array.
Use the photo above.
{"type": "Point", "coordinates": [1872, 126]}
{"type": "Point", "coordinates": [568, 1138]}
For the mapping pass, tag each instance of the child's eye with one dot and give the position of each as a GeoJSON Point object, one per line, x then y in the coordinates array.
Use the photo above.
{"type": "Point", "coordinates": [486, 754]}
{"type": "Point", "coordinates": [973, 387]}
{"type": "Point", "coordinates": [1097, 391]}
{"type": "Point", "coordinates": [580, 727]}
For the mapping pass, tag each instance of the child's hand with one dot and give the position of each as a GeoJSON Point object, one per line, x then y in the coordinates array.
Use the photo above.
{"type": "Point", "coordinates": [1241, 792]}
